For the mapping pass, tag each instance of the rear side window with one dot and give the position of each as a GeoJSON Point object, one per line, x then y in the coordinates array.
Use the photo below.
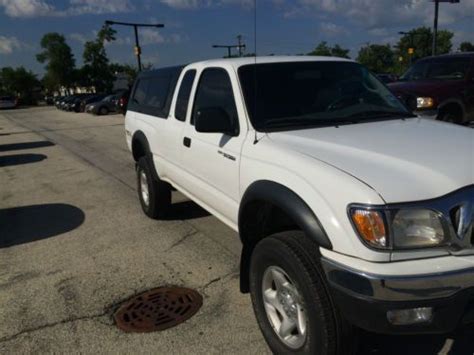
{"type": "Point", "coordinates": [183, 95]}
{"type": "Point", "coordinates": [157, 91]}
{"type": "Point", "coordinates": [215, 90]}
{"type": "Point", "coordinates": [140, 91]}
{"type": "Point", "coordinates": [153, 92]}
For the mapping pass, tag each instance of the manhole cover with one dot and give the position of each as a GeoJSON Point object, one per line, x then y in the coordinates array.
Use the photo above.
{"type": "Point", "coordinates": [158, 309]}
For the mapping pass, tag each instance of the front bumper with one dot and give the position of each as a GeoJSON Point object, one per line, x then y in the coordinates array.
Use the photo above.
{"type": "Point", "coordinates": [364, 299]}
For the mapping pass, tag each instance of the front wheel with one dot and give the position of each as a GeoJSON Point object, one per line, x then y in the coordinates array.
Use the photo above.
{"type": "Point", "coordinates": [291, 300]}
{"type": "Point", "coordinates": [103, 111]}
{"type": "Point", "coordinates": [154, 194]}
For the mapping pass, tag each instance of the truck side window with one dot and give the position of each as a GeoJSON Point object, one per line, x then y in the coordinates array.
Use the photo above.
{"type": "Point", "coordinates": [140, 91]}
{"type": "Point", "coordinates": [183, 95]}
{"type": "Point", "coordinates": [215, 90]}
{"type": "Point", "coordinates": [157, 92]}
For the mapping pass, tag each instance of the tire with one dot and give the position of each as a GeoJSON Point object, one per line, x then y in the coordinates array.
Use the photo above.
{"type": "Point", "coordinates": [156, 200]}
{"type": "Point", "coordinates": [103, 111]}
{"type": "Point", "coordinates": [295, 257]}
{"type": "Point", "coordinates": [450, 117]}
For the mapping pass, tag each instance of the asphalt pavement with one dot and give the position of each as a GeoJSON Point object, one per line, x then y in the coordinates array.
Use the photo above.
{"type": "Point", "coordinates": [74, 244]}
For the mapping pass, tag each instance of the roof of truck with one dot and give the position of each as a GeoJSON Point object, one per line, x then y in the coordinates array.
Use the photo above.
{"type": "Point", "coordinates": [238, 62]}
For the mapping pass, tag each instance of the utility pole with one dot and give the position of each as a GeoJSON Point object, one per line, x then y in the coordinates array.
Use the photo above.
{"type": "Point", "coordinates": [435, 25]}
{"type": "Point", "coordinates": [138, 50]}
{"type": "Point", "coordinates": [240, 46]}
{"type": "Point", "coordinates": [239, 39]}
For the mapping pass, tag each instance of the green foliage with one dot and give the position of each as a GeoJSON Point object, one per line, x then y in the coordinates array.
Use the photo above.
{"type": "Point", "coordinates": [19, 82]}
{"type": "Point", "coordinates": [378, 58]}
{"type": "Point", "coordinates": [96, 63]}
{"type": "Point", "coordinates": [323, 49]}
{"type": "Point", "coordinates": [421, 40]}
{"type": "Point", "coordinates": [466, 47]}
{"type": "Point", "coordinates": [60, 61]}
{"type": "Point", "coordinates": [127, 69]}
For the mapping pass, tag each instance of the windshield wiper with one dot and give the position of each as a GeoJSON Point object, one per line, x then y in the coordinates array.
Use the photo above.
{"type": "Point", "coordinates": [381, 114]}
{"type": "Point", "coordinates": [289, 122]}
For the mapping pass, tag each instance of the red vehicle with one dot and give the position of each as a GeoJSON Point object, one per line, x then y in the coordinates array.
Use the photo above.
{"type": "Point", "coordinates": [440, 87]}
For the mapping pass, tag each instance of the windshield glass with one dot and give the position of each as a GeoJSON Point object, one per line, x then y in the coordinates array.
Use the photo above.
{"type": "Point", "coordinates": [299, 94]}
{"type": "Point", "coordinates": [439, 69]}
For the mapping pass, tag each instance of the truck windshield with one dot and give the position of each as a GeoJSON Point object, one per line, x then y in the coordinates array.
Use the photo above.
{"type": "Point", "coordinates": [439, 69]}
{"type": "Point", "coordinates": [307, 94]}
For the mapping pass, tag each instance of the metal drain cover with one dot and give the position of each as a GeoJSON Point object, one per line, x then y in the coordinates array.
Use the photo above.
{"type": "Point", "coordinates": [158, 309]}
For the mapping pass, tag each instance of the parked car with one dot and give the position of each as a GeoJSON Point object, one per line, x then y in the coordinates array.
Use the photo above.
{"type": "Point", "coordinates": [440, 87]}
{"type": "Point", "coordinates": [387, 78]}
{"type": "Point", "coordinates": [103, 107]}
{"type": "Point", "coordinates": [351, 210]}
{"type": "Point", "coordinates": [49, 99]}
{"type": "Point", "coordinates": [8, 101]}
{"type": "Point", "coordinates": [89, 100]}
{"type": "Point", "coordinates": [57, 100]}
{"type": "Point", "coordinates": [122, 102]}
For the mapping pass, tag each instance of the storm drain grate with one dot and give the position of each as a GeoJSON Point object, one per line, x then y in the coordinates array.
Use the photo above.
{"type": "Point", "coordinates": [158, 309]}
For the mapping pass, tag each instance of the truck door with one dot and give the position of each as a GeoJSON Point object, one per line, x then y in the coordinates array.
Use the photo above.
{"type": "Point", "coordinates": [212, 160]}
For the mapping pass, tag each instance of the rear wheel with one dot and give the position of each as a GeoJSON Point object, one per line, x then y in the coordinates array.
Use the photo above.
{"type": "Point", "coordinates": [154, 194]}
{"type": "Point", "coordinates": [291, 300]}
{"type": "Point", "coordinates": [103, 111]}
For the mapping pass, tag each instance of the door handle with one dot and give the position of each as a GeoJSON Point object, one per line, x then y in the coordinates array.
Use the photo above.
{"type": "Point", "coordinates": [187, 142]}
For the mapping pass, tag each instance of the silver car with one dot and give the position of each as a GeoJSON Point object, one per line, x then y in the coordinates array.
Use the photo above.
{"type": "Point", "coordinates": [8, 102]}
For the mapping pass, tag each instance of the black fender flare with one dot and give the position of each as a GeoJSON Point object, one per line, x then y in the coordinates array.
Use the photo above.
{"type": "Point", "coordinates": [290, 203]}
{"type": "Point", "coordinates": [140, 137]}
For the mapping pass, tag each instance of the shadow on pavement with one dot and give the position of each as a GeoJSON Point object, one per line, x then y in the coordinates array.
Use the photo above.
{"type": "Point", "coordinates": [26, 145]}
{"type": "Point", "coordinates": [21, 225]}
{"type": "Point", "coordinates": [456, 344]}
{"type": "Point", "coordinates": [19, 159]}
{"type": "Point", "coordinates": [186, 210]}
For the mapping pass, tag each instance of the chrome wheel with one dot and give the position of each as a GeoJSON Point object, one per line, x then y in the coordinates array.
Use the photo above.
{"type": "Point", "coordinates": [284, 307]}
{"type": "Point", "coordinates": [144, 188]}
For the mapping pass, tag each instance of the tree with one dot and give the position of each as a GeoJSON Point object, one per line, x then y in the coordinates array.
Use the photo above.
{"type": "Point", "coordinates": [324, 49]}
{"type": "Point", "coordinates": [421, 39]}
{"type": "Point", "coordinates": [378, 58]}
{"type": "Point", "coordinates": [19, 82]}
{"type": "Point", "coordinates": [466, 47]}
{"type": "Point", "coordinates": [96, 62]}
{"type": "Point", "coordinates": [60, 61]}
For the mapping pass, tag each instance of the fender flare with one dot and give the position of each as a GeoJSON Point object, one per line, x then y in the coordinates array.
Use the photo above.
{"type": "Point", "coordinates": [290, 203]}
{"type": "Point", "coordinates": [139, 136]}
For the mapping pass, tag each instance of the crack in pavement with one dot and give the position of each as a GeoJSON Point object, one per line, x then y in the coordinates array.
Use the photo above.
{"type": "Point", "coordinates": [51, 325]}
{"type": "Point", "coordinates": [183, 239]}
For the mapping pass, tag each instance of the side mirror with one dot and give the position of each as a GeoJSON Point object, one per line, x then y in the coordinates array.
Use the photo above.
{"type": "Point", "coordinates": [215, 120]}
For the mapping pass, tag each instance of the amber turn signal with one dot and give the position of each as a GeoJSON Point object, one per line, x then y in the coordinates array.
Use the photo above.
{"type": "Point", "coordinates": [371, 227]}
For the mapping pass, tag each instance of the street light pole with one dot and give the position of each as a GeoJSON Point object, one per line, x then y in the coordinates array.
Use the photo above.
{"type": "Point", "coordinates": [138, 50]}
{"type": "Point", "coordinates": [240, 46]}
{"type": "Point", "coordinates": [435, 27]}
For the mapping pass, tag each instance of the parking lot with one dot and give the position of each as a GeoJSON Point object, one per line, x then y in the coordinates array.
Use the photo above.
{"type": "Point", "coordinates": [74, 243]}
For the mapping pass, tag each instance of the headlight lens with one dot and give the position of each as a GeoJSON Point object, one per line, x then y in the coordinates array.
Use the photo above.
{"type": "Point", "coordinates": [417, 228]}
{"type": "Point", "coordinates": [408, 228]}
{"type": "Point", "coordinates": [424, 102]}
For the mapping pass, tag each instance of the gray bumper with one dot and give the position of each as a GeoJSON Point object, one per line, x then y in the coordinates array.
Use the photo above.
{"type": "Point", "coordinates": [391, 288]}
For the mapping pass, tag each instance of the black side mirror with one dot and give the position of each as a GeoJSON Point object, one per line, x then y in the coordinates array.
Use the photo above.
{"type": "Point", "coordinates": [215, 120]}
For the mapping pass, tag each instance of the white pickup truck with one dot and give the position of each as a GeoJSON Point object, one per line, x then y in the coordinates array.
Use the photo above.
{"type": "Point", "coordinates": [352, 212]}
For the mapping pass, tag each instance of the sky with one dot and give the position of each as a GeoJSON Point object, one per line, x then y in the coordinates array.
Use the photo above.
{"type": "Point", "coordinates": [193, 26]}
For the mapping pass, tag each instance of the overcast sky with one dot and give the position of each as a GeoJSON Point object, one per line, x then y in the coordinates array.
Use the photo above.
{"type": "Point", "coordinates": [192, 26]}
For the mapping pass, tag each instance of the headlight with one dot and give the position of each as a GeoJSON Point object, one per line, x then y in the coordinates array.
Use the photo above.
{"type": "Point", "coordinates": [408, 228]}
{"type": "Point", "coordinates": [416, 228]}
{"type": "Point", "coordinates": [424, 102]}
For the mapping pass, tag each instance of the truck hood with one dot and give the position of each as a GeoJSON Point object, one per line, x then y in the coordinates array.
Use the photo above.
{"type": "Point", "coordinates": [402, 160]}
